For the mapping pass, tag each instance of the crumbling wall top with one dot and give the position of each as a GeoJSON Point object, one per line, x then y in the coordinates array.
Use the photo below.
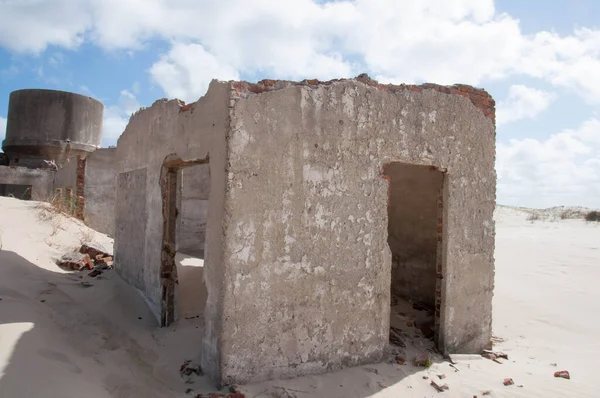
{"type": "Point", "coordinates": [479, 97]}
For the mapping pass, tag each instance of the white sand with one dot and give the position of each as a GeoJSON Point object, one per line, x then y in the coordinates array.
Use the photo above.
{"type": "Point", "coordinates": [61, 339]}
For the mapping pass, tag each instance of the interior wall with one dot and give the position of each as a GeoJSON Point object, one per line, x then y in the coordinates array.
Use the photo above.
{"type": "Point", "coordinates": [99, 190]}
{"type": "Point", "coordinates": [194, 189]}
{"type": "Point", "coordinates": [66, 175]}
{"type": "Point", "coordinates": [131, 219]}
{"type": "Point", "coordinates": [412, 230]}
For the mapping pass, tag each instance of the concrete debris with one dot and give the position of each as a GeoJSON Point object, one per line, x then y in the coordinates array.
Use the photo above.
{"type": "Point", "coordinates": [188, 368]}
{"type": "Point", "coordinates": [75, 261]}
{"type": "Point", "coordinates": [400, 359]}
{"type": "Point", "coordinates": [396, 337]}
{"type": "Point", "coordinates": [494, 355]}
{"type": "Point", "coordinates": [508, 381]}
{"type": "Point", "coordinates": [486, 392]}
{"type": "Point", "coordinates": [442, 377]}
{"type": "Point", "coordinates": [562, 373]}
{"type": "Point", "coordinates": [90, 257]}
{"type": "Point", "coordinates": [439, 388]}
{"type": "Point", "coordinates": [94, 250]}
{"type": "Point", "coordinates": [423, 358]}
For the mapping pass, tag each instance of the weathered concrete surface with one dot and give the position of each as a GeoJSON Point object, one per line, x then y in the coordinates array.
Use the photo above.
{"type": "Point", "coordinates": [412, 230]}
{"type": "Point", "coordinates": [40, 180]}
{"type": "Point", "coordinates": [100, 190]}
{"type": "Point", "coordinates": [297, 264]}
{"type": "Point", "coordinates": [131, 226]}
{"type": "Point", "coordinates": [307, 264]}
{"type": "Point", "coordinates": [50, 125]}
{"type": "Point", "coordinates": [191, 132]}
{"type": "Point", "coordinates": [66, 175]}
{"type": "Point", "coordinates": [194, 190]}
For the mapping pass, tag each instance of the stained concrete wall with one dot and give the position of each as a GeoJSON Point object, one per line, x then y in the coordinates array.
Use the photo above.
{"type": "Point", "coordinates": [307, 263]}
{"type": "Point", "coordinates": [194, 190]}
{"type": "Point", "coordinates": [100, 190]}
{"type": "Point", "coordinates": [132, 216]}
{"type": "Point", "coordinates": [197, 131]}
{"type": "Point", "coordinates": [40, 180]}
{"type": "Point", "coordinates": [412, 230]}
{"type": "Point", "coordinates": [298, 266]}
{"type": "Point", "coordinates": [66, 175]}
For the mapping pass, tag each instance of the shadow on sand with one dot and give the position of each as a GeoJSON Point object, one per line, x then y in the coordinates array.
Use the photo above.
{"type": "Point", "coordinates": [68, 335]}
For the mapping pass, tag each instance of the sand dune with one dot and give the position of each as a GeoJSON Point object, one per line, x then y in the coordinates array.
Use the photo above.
{"type": "Point", "coordinates": [59, 338]}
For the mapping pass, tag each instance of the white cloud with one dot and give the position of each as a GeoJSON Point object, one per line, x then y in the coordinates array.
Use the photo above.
{"type": "Point", "coordinates": [522, 102]}
{"type": "Point", "coordinates": [117, 116]}
{"type": "Point", "coordinates": [563, 169]}
{"type": "Point", "coordinates": [399, 41]}
{"type": "Point", "coordinates": [33, 25]}
{"type": "Point", "coordinates": [2, 128]}
{"type": "Point", "coordinates": [187, 70]}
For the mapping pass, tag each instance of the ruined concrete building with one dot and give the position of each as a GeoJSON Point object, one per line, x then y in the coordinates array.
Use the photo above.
{"type": "Point", "coordinates": [313, 205]}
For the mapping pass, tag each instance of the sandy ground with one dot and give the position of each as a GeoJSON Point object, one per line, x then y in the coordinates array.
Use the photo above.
{"type": "Point", "coordinates": [59, 338]}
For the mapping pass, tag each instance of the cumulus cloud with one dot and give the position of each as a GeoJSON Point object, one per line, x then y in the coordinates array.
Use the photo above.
{"type": "Point", "coordinates": [442, 41]}
{"type": "Point", "coordinates": [186, 71]}
{"type": "Point", "coordinates": [523, 102]}
{"type": "Point", "coordinates": [562, 169]}
{"type": "Point", "coordinates": [2, 128]}
{"type": "Point", "coordinates": [33, 25]}
{"type": "Point", "coordinates": [117, 116]}
{"type": "Point", "coordinates": [396, 41]}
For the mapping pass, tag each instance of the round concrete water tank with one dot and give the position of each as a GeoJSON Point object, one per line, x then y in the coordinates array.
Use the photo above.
{"type": "Point", "coordinates": [45, 125]}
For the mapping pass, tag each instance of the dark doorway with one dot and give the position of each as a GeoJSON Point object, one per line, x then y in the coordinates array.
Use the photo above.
{"type": "Point", "coordinates": [415, 213]}
{"type": "Point", "coordinates": [22, 192]}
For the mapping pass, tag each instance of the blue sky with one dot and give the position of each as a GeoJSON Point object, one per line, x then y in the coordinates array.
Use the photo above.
{"type": "Point", "coordinates": [539, 59]}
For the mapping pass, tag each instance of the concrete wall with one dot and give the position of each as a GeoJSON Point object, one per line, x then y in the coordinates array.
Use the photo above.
{"type": "Point", "coordinates": [66, 175]}
{"type": "Point", "coordinates": [100, 190]}
{"type": "Point", "coordinates": [130, 233]}
{"type": "Point", "coordinates": [193, 132]}
{"type": "Point", "coordinates": [412, 230]}
{"type": "Point", "coordinates": [307, 263]}
{"type": "Point", "coordinates": [194, 190]}
{"type": "Point", "coordinates": [41, 181]}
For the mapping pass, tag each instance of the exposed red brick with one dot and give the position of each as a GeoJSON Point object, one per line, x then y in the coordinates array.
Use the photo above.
{"type": "Point", "coordinates": [80, 184]}
{"type": "Point", "coordinates": [479, 97]}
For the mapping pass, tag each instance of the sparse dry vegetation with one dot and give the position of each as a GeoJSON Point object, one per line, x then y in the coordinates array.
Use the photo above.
{"type": "Point", "coordinates": [593, 216]}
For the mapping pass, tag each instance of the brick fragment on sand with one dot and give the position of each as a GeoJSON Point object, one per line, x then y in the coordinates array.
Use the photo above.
{"type": "Point", "coordinates": [93, 249]}
{"type": "Point", "coordinates": [508, 381]}
{"type": "Point", "coordinates": [563, 374]}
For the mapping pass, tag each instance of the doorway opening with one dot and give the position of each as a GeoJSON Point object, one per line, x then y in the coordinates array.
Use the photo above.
{"type": "Point", "coordinates": [186, 189]}
{"type": "Point", "coordinates": [415, 218]}
{"type": "Point", "coordinates": [22, 192]}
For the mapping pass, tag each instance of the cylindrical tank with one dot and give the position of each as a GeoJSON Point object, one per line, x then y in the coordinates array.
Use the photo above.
{"type": "Point", "coordinates": [49, 125]}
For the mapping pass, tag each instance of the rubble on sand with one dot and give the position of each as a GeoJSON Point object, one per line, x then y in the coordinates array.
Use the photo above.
{"type": "Point", "coordinates": [439, 388]}
{"type": "Point", "coordinates": [423, 358]}
{"type": "Point", "coordinates": [92, 257]}
{"type": "Point", "coordinates": [562, 373]}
